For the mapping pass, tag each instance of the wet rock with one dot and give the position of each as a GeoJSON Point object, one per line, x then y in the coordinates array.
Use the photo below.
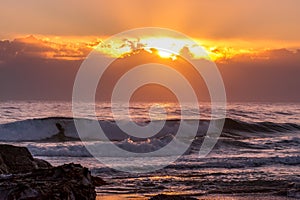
{"type": "Point", "coordinates": [25, 177]}
{"type": "Point", "coordinates": [171, 197]}
{"type": "Point", "coordinates": [97, 181]}
{"type": "Point", "coordinates": [69, 181]}
{"type": "Point", "coordinates": [18, 160]}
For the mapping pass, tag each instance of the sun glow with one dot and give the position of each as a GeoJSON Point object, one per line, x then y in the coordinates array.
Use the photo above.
{"type": "Point", "coordinates": [164, 47]}
{"type": "Point", "coordinates": [171, 47]}
{"type": "Point", "coordinates": [165, 54]}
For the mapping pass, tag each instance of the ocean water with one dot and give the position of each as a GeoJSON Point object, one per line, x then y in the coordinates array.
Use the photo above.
{"type": "Point", "coordinates": [258, 151]}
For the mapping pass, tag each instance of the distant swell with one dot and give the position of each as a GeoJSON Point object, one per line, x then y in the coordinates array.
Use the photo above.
{"type": "Point", "coordinates": [231, 124]}
{"type": "Point", "coordinates": [45, 128]}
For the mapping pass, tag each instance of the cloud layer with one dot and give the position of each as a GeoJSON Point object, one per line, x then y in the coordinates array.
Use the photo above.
{"type": "Point", "coordinates": [34, 69]}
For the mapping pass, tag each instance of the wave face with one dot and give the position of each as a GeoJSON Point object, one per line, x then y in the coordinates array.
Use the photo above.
{"type": "Point", "coordinates": [40, 136]}
{"type": "Point", "coordinates": [45, 128]}
{"type": "Point", "coordinates": [257, 150]}
{"type": "Point", "coordinates": [243, 169]}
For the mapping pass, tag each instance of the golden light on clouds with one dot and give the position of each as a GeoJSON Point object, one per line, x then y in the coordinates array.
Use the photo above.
{"type": "Point", "coordinates": [174, 47]}
{"type": "Point", "coordinates": [77, 48]}
{"type": "Point", "coordinates": [166, 54]}
{"type": "Point", "coordinates": [165, 47]}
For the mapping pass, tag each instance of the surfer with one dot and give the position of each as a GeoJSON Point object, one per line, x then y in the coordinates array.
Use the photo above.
{"type": "Point", "coordinates": [61, 132]}
{"type": "Point", "coordinates": [60, 136]}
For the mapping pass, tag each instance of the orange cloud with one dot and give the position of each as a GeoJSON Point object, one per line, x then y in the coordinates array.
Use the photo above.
{"type": "Point", "coordinates": [77, 48]}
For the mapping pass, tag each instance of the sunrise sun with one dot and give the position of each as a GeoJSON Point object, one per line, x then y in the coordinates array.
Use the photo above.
{"type": "Point", "coordinates": [165, 54]}
{"type": "Point", "coordinates": [162, 53]}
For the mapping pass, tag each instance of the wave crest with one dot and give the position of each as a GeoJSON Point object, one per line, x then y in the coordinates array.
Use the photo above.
{"type": "Point", "coordinates": [46, 128]}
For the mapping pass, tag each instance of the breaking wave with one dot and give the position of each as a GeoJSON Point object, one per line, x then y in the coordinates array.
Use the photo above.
{"type": "Point", "coordinates": [45, 128]}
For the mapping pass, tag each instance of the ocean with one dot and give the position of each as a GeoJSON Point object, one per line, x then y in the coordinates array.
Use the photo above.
{"type": "Point", "coordinates": [257, 153]}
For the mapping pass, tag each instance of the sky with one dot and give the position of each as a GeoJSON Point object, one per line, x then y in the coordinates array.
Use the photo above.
{"type": "Point", "coordinates": [254, 43]}
{"type": "Point", "coordinates": [233, 19]}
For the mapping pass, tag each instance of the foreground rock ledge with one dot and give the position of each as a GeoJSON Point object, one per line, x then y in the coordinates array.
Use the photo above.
{"type": "Point", "coordinates": [23, 177]}
{"type": "Point", "coordinates": [171, 197]}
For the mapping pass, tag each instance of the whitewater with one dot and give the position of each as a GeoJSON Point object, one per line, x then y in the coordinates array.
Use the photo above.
{"type": "Point", "coordinates": [257, 151]}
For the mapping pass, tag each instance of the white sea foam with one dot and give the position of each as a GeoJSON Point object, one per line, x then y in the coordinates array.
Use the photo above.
{"type": "Point", "coordinates": [102, 148]}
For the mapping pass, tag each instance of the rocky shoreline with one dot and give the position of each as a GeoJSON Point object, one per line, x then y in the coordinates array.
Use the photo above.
{"type": "Point", "coordinates": [25, 177]}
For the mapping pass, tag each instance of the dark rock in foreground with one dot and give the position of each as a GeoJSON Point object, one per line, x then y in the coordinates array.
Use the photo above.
{"type": "Point", "coordinates": [171, 197]}
{"type": "Point", "coordinates": [18, 160]}
{"type": "Point", "coordinates": [24, 177]}
{"type": "Point", "coordinates": [70, 181]}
